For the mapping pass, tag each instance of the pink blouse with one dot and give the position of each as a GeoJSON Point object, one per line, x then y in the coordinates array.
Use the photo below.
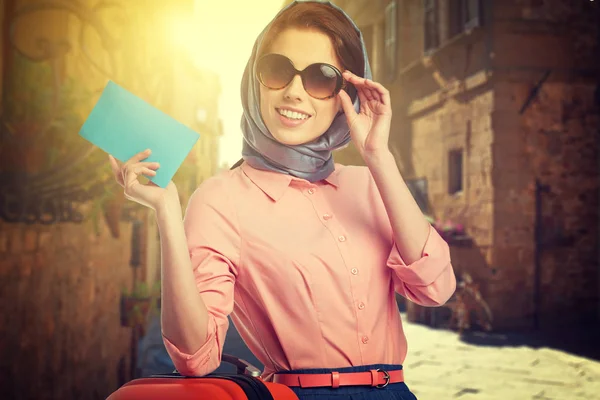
{"type": "Point", "coordinates": [307, 271]}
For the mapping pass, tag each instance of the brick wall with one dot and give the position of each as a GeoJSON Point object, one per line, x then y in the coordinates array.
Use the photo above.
{"type": "Point", "coordinates": [467, 126]}
{"type": "Point", "coordinates": [504, 152]}
{"type": "Point", "coordinates": [555, 142]}
{"type": "Point", "coordinates": [511, 290]}
{"type": "Point", "coordinates": [59, 311]}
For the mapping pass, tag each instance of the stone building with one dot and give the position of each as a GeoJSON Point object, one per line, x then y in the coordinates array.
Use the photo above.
{"type": "Point", "coordinates": [69, 242]}
{"type": "Point", "coordinates": [495, 127]}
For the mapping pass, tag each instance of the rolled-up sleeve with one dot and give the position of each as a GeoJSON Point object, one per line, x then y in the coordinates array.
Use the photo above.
{"type": "Point", "coordinates": [429, 281]}
{"type": "Point", "coordinates": [213, 241]}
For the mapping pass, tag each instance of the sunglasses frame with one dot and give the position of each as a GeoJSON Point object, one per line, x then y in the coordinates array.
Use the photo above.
{"type": "Point", "coordinates": [340, 77]}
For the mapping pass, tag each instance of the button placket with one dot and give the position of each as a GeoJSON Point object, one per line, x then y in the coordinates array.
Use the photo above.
{"type": "Point", "coordinates": [324, 212]}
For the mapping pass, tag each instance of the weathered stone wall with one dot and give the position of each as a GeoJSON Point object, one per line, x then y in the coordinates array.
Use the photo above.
{"type": "Point", "coordinates": [60, 285]}
{"type": "Point", "coordinates": [555, 142]}
{"type": "Point", "coordinates": [462, 125]}
{"type": "Point", "coordinates": [550, 136]}
{"type": "Point", "coordinates": [60, 288]}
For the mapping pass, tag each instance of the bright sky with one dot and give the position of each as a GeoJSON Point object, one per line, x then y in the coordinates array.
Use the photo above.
{"type": "Point", "coordinates": [226, 31]}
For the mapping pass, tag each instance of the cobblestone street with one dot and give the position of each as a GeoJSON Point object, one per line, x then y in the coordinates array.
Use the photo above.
{"type": "Point", "coordinates": [441, 366]}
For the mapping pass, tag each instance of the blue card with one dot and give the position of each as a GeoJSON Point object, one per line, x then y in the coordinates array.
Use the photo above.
{"type": "Point", "coordinates": [123, 125]}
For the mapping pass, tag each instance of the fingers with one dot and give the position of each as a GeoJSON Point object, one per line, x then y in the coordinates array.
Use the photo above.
{"type": "Point", "coordinates": [357, 82]}
{"type": "Point", "coordinates": [369, 93]}
{"type": "Point", "coordinates": [362, 96]}
{"type": "Point", "coordinates": [127, 174]}
{"type": "Point", "coordinates": [384, 94]}
{"type": "Point", "coordinates": [371, 90]}
{"type": "Point", "coordinates": [113, 164]}
{"type": "Point", "coordinates": [131, 172]}
{"type": "Point", "coordinates": [347, 105]}
{"type": "Point", "coordinates": [146, 171]}
{"type": "Point", "coordinates": [151, 165]}
{"type": "Point", "coordinates": [140, 156]}
{"type": "Point", "coordinates": [131, 177]}
{"type": "Point", "coordinates": [116, 170]}
{"type": "Point", "coordinates": [136, 159]}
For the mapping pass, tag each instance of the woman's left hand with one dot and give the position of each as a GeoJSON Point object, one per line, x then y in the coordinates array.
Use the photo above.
{"type": "Point", "coordinates": [370, 127]}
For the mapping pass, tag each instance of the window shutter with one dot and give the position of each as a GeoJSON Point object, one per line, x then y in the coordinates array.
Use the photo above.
{"type": "Point", "coordinates": [455, 17]}
{"type": "Point", "coordinates": [391, 17]}
{"type": "Point", "coordinates": [472, 13]}
{"type": "Point", "coordinates": [431, 25]}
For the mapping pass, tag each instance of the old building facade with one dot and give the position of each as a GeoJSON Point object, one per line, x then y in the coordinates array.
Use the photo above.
{"type": "Point", "coordinates": [495, 127]}
{"type": "Point", "coordinates": [69, 242]}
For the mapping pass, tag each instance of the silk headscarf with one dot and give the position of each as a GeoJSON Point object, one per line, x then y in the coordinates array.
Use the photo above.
{"type": "Point", "coordinates": [312, 161]}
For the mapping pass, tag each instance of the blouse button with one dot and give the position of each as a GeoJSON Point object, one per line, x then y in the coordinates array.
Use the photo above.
{"type": "Point", "coordinates": [365, 339]}
{"type": "Point", "coordinates": [342, 238]}
{"type": "Point", "coordinates": [326, 216]}
{"type": "Point", "coordinates": [354, 271]}
{"type": "Point", "coordinates": [311, 191]}
{"type": "Point", "coordinates": [361, 306]}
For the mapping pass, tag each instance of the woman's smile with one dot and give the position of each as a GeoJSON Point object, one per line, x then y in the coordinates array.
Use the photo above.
{"type": "Point", "coordinates": [291, 117]}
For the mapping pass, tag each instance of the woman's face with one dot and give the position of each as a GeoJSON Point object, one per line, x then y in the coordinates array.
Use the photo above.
{"type": "Point", "coordinates": [303, 47]}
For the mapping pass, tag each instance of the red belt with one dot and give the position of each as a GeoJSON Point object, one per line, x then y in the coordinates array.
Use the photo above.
{"type": "Point", "coordinates": [375, 377]}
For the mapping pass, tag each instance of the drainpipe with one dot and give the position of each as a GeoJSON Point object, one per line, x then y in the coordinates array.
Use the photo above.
{"type": "Point", "coordinates": [135, 263]}
{"type": "Point", "coordinates": [597, 101]}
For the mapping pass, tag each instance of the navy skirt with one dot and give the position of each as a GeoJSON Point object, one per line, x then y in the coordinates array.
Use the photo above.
{"type": "Point", "coordinates": [393, 391]}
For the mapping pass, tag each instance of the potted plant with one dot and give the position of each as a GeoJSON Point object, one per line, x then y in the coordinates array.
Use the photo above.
{"type": "Point", "coordinates": [454, 233]}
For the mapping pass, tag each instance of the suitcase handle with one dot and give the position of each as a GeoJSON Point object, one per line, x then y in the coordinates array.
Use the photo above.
{"type": "Point", "coordinates": [243, 366]}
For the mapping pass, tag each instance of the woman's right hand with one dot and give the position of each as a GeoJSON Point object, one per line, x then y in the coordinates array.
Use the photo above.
{"type": "Point", "coordinates": [150, 194]}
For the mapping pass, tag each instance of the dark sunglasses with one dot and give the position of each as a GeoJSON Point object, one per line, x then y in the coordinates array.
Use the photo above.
{"type": "Point", "coordinates": [320, 80]}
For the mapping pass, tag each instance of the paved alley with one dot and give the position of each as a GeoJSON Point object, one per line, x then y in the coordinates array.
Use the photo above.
{"type": "Point", "coordinates": [441, 366]}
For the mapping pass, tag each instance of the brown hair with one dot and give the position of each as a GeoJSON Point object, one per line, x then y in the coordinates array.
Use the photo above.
{"type": "Point", "coordinates": [327, 19]}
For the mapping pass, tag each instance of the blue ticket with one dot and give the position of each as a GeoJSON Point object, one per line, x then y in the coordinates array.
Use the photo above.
{"type": "Point", "coordinates": [123, 125]}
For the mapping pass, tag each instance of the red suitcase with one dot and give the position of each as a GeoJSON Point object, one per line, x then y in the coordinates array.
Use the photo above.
{"type": "Point", "coordinates": [246, 384]}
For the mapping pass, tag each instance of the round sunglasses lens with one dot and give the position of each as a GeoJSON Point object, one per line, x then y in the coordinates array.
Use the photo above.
{"type": "Point", "coordinates": [275, 71]}
{"type": "Point", "coordinates": [322, 81]}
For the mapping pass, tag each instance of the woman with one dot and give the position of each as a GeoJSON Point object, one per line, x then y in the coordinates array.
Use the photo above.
{"type": "Point", "coordinates": [304, 254]}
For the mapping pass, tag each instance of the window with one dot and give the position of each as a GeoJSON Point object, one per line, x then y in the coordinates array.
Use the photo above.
{"type": "Point", "coordinates": [463, 15]}
{"type": "Point", "coordinates": [390, 38]}
{"type": "Point", "coordinates": [455, 171]}
{"type": "Point", "coordinates": [432, 35]}
{"type": "Point", "coordinates": [472, 11]}
{"type": "Point", "coordinates": [455, 18]}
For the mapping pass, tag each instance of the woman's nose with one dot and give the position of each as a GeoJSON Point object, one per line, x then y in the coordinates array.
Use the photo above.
{"type": "Point", "coordinates": [295, 89]}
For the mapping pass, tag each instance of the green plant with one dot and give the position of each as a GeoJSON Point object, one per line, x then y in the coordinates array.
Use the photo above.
{"type": "Point", "coordinates": [141, 290]}
{"type": "Point", "coordinates": [138, 303]}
